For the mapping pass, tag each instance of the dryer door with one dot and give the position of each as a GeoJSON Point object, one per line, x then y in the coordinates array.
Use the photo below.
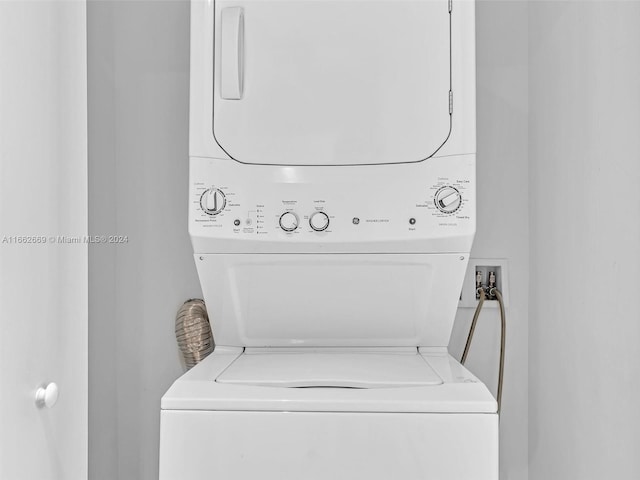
{"type": "Point", "coordinates": [331, 82]}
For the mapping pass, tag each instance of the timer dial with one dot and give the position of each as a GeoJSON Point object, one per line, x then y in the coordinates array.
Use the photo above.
{"type": "Point", "coordinates": [213, 201]}
{"type": "Point", "coordinates": [319, 221]}
{"type": "Point", "coordinates": [289, 221]}
{"type": "Point", "coordinates": [448, 199]}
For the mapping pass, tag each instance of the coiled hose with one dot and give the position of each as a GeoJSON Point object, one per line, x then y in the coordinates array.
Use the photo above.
{"type": "Point", "coordinates": [503, 327]}
{"type": "Point", "coordinates": [193, 332]}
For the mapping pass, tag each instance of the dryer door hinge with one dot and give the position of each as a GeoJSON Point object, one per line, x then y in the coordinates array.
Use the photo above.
{"type": "Point", "coordinates": [450, 102]}
{"type": "Point", "coordinates": [450, 5]}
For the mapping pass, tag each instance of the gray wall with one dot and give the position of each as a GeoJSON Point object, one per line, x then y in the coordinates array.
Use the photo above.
{"type": "Point", "coordinates": [585, 238]}
{"type": "Point", "coordinates": [138, 120]}
{"type": "Point", "coordinates": [502, 230]}
{"type": "Point", "coordinates": [138, 103]}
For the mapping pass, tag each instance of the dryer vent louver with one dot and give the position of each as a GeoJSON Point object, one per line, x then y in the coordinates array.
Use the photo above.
{"type": "Point", "coordinates": [193, 332]}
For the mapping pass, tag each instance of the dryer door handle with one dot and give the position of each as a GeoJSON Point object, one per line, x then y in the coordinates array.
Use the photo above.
{"type": "Point", "coordinates": [232, 53]}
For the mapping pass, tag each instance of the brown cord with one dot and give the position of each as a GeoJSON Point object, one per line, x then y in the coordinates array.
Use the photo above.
{"type": "Point", "coordinates": [503, 329]}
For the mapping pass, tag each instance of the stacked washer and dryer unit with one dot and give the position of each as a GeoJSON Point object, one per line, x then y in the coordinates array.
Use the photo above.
{"type": "Point", "coordinates": [332, 212]}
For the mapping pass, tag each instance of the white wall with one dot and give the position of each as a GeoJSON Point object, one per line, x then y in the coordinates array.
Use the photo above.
{"type": "Point", "coordinates": [138, 67]}
{"type": "Point", "coordinates": [103, 412]}
{"type": "Point", "coordinates": [502, 231]}
{"type": "Point", "coordinates": [584, 155]}
{"type": "Point", "coordinates": [138, 120]}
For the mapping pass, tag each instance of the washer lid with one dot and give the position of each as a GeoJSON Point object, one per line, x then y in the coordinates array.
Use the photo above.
{"type": "Point", "coordinates": [307, 82]}
{"type": "Point", "coordinates": [331, 369]}
{"type": "Point", "coordinates": [459, 392]}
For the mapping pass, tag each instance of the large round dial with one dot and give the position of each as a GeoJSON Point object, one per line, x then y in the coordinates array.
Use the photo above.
{"type": "Point", "coordinates": [289, 221]}
{"type": "Point", "coordinates": [213, 201]}
{"type": "Point", "coordinates": [448, 199]}
{"type": "Point", "coordinates": [319, 221]}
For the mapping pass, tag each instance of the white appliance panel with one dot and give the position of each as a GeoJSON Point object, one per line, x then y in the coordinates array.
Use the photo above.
{"type": "Point", "coordinates": [272, 300]}
{"type": "Point", "coordinates": [377, 208]}
{"type": "Point", "coordinates": [298, 84]}
{"type": "Point", "coordinates": [320, 445]}
{"type": "Point", "coordinates": [462, 139]}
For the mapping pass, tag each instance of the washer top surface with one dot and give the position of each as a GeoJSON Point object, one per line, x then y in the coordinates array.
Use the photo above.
{"type": "Point", "coordinates": [404, 385]}
{"type": "Point", "coordinates": [370, 369]}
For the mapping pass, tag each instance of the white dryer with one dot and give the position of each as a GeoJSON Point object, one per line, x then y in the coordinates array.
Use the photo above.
{"type": "Point", "coordinates": [331, 211]}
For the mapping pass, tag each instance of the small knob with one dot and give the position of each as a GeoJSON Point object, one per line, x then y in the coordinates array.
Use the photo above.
{"type": "Point", "coordinates": [448, 199]}
{"type": "Point", "coordinates": [288, 221]}
{"type": "Point", "coordinates": [319, 221]}
{"type": "Point", "coordinates": [213, 201]}
{"type": "Point", "coordinates": [47, 396]}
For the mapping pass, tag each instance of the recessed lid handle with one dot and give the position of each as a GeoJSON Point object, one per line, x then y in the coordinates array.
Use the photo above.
{"type": "Point", "coordinates": [331, 369]}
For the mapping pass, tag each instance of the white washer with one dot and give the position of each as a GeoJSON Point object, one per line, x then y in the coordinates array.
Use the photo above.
{"type": "Point", "coordinates": [410, 414]}
{"type": "Point", "coordinates": [331, 211]}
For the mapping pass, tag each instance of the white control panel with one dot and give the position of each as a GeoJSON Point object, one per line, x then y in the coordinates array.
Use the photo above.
{"type": "Point", "coordinates": [323, 206]}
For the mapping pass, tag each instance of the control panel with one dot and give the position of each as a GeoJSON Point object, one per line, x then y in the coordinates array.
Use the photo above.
{"type": "Point", "coordinates": [431, 199]}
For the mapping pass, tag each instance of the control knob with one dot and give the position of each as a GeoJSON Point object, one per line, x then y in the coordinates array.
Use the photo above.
{"type": "Point", "coordinates": [288, 221]}
{"type": "Point", "coordinates": [319, 221]}
{"type": "Point", "coordinates": [448, 199]}
{"type": "Point", "coordinates": [213, 201]}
